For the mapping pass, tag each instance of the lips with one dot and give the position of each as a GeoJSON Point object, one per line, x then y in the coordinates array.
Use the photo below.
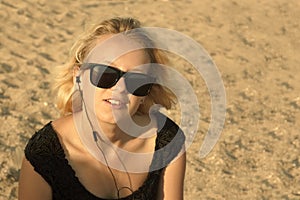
{"type": "Point", "coordinates": [116, 103]}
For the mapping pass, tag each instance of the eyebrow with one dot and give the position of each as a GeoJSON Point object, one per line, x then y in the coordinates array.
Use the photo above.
{"type": "Point", "coordinates": [115, 65]}
{"type": "Point", "coordinates": [109, 62]}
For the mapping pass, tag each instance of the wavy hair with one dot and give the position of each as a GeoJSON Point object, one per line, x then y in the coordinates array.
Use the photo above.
{"type": "Point", "coordinates": [64, 85]}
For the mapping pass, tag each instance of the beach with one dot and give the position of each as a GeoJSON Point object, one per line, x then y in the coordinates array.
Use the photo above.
{"type": "Point", "coordinates": [254, 44]}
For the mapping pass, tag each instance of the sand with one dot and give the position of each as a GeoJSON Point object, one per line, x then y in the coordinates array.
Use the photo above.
{"type": "Point", "coordinates": [255, 44]}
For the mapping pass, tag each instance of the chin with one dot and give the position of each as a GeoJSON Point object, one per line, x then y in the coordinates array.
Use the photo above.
{"type": "Point", "coordinates": [114, 117]}
{"type": "Point", "coordinates": [107, 119]}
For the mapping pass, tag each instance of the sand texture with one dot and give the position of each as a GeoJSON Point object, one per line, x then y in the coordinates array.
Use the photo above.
{"type": "Point", "coordinates": [254, 43]}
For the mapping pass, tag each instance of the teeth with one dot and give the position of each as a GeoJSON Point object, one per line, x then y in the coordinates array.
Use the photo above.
{"type": "Point", "coordinates": [114, 102]}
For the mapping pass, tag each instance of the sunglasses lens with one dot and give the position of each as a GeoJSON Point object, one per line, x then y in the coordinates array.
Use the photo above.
{"type": "Point", "coordinates": [138, 84]}
{"type": "Point", "coordinates": [103, 76]}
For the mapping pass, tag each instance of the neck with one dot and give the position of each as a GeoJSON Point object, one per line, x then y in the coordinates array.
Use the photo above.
{"type": "Point", "coordinates": [119, 133]}
{"type": "Point", "coordinates": [138, 126]}
{"type": "Point", "coordinates": [113, 132]}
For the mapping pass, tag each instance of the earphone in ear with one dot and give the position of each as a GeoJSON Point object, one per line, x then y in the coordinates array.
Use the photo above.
{"type": "Point", "coordinates": [78, 79]}
{"type": "Point", "coordinates": [76, 74]}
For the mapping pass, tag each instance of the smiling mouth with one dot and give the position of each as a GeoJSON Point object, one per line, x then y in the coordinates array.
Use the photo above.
{"type": "Point", "coordinates": [113, 101]}
{"type": "Point", "coordinates": [116, 103]}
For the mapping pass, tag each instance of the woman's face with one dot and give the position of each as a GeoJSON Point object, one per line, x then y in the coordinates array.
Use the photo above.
{"type": "Point", "coordinates": [116, 102]}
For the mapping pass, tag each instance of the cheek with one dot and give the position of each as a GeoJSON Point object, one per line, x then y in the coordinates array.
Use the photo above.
{"type": "Point", "coordinates": [99, 93]}
{"type": "Point", "coordinates": [98, 97]}
{"type": "Point", "coordinates": [134, 104]}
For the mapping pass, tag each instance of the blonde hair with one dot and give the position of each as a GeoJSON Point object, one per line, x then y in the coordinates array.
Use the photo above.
{"type": "Point", "coordinates": [65, 73]}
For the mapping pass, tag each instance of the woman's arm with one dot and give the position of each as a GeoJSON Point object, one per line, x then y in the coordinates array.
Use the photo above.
{"type": "Point", "coordinates": [31, 185]}
{"type": "Point", "coordinates": [172, 180]}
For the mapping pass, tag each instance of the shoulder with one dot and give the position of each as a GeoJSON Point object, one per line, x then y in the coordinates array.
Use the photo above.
{"type": "Point", "coordinates": [43, 145]}
{"type": "Point", "coordinates": [64, 128]}
{"type": "Point", "coordinates": [169, 142]}
{"type": "Point", "coordinates": [168, 132]}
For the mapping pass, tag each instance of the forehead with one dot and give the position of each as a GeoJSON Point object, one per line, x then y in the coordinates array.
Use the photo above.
{"type": "Point", "coordinates": [117, 48]}
{"type": "Point", "coordinates": [134, 60]}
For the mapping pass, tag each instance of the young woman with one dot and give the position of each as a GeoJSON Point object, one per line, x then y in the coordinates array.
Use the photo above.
{"type": "Point", "coordinates": [109, 142]}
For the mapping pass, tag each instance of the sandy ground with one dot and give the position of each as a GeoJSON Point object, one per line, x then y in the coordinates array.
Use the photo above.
{"type": "Point", "coordinates": [254, 43]}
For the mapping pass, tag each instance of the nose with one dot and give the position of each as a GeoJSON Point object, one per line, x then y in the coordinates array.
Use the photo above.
{"type": "Point", "coordinates": [120, 86]}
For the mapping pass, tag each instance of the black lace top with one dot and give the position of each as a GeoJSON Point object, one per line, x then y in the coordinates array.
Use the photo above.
{"type": "Point", "coordinates": [47, 156]}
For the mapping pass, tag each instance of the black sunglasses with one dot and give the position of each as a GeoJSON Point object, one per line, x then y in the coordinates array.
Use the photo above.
{"type": "Point", "coordinates": [105, 76]}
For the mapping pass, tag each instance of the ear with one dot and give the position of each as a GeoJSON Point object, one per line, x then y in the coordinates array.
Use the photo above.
{"type": "Point", "coordinates": [76, 74]}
